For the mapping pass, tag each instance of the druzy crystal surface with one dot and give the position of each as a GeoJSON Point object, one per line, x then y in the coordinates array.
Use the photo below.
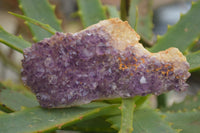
{"type": "Point", "coordinates": [101, 62]}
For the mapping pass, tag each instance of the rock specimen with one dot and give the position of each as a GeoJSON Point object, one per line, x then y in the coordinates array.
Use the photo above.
{"type": "Point", "coordinates": [104, 61]}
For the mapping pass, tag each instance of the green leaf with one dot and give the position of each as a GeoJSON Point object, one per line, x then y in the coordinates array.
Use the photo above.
{"type": "Point", "coordinates": [141, 18]}
{"type": "Point", "coordinates": [7, 62]}
{"type": "Point", "coordinates": [42, 120]}
{"type": "Point", "coordinates": [42, 11]}
{"type": "Point", "coordinates": [161, 101]}
{"type": "Point", "coordinates": [191, 102]}
{"type": "Point", "coordinates": [145, 121]}
{"type": "Point", "coordinates": [133, 14]}
{"type": "Point", "coordinates": [128, 105]}
{"type": "Point", "coordinates": [35, 22]}
{"type": "Point", "coordinates": [186, 122]}
{"type": "Point", "coordinates": [13, 99]}
{"type": "Point", "coordinates": [112, 11]}
{"type": "Point", "coordinates": [124, 8]}
{"type": "Point", "coordinates": [194, 61]}
{"type": "Point", "coordinates": [142, 101]}
{"type": "Point", "coordinates": [195, 46]}
{"type": "Point", "coordinates": [5, 109]}
{"type": "Point", "coordinates": [182, 34]}
{"type": "Point", "coordinates": [114, 101]}
{"type": "Point", "coordinates": [92, 125]}
{"type": "Point", "coordinates": [1, 112]}
{"type": "Point", "coordinates": [12, 41]}
{"type": "Point", "coordinates": [91, 12]}
{"type": "Point", "coordinates": [145, 20]}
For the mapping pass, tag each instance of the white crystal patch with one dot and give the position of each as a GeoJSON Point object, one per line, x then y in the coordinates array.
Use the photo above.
{"type": "Point", "coordinates": [143, 80]}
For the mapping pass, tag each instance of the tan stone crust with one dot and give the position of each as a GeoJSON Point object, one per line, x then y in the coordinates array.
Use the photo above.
{"type": "Point", "coordinates": [120, 31]}
{"type": "Point", "coordinates": [124, 36]}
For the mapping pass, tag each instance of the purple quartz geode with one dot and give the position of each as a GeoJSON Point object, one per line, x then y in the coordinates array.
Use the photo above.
{"type": "Point", "coordinates": [101, 62]}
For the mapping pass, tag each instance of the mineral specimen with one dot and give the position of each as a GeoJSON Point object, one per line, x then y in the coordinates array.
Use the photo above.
{"type": "Point", "coordinates": [101, 62]}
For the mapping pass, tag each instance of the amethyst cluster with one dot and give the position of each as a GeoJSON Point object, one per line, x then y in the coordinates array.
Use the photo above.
{"type": "Point", "coordinates": [72, 69]}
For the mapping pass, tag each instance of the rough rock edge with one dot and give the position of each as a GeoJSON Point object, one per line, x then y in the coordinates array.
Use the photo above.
{"type": "Point", "coordinates": [120, 37]}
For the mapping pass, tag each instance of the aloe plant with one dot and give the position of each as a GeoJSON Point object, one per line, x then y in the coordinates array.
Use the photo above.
{"type": "Point", "coordinates": [20, 112]}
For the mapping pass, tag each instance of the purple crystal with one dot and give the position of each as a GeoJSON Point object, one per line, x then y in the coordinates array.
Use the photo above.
{"type": "Point", "coordinates": [67, 70]}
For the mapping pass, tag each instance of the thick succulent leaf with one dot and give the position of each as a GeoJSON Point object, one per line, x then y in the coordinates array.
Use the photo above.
{"type": "Point", "coordinates": [113, 101]}
{"type": "Point", "coordinates": [195, 46]}
{"type": "Point", "coordinates": [12, 41]}
{"type": "Point", "coordinates": [5, 109]}
{"type": "Point", "coordinates": [42, 120]}
{"type": "Point", "coordinates": [124, 7]}
{"type": "Point", "coordinates": [194, 60]}
{"type": "Point", "coordinates": [5, 60]}
{"type": "Point", "coordinates": [142, 20]}
{"type": "Point", "coordinates": [182, 34]}
{"type": "Point", "coordinates": [186, 122]}
{"type": "Point", "coordinates": [112, 11]}
{"type": "Point", "coordinates": [133, 13]}
{"type": "Point", "coordinates": [145, 20]}
{"type": "Point", "coordinates": [145, 121]}
{"type": "Point", "coordinates": [127, 108]}
{"type": "Point", "coordinates": [191, 102]}
{"type": "Point", "coordinates": [1, 112]}
{"type": "Point", "coordinates": [91, 12]}
{"type": "Point", "coordinates": [13, 99]}
{"type": "Point", "coordinates": [142, 101]}
{"type": "Point", "coordinates": [35, 22]}
{"type": "Point", "coordinates": [96, 125]}
{"type": "Point", "coordinates": [42, 11]}
{"type": "Point", "coordinates": [115, 122]}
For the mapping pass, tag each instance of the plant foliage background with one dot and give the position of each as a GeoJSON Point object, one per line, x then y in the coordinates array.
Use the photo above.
{"type": "Point", "coordinates": [21, 113]}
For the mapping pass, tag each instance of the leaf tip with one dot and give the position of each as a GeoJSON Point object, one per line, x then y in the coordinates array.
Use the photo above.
{"type": "Point", "coordinates": [59, 21]}
{"type": "Point", "coordinates": [79, 12]}
{"type": "Point", "coordinates": [114, 127]}
{"type": "Point", "coordinates": [22, 108]}
{"type": "Point", "coordinates": [168, 26]}
{"type": "Point", "coordinates": [193, 2]}
{"type": "Point", "coordinates": [181, 15]}
{"type": "Point", "coordinates": [159, 37]}
{"type": "Point", "coordinates": [34, 39]}
{"type": "Point", "coordinates": [10, 12]}
{"type": "Point", "coordinates": [179, 130]}
{"type": "Point", "coordinates": [20, 7]}
{"type": "Point", "coordinates": [20, 36]}
{"type": "Point", "coordinates": [104, 8]}
{"type": "Point", "coordinates": [53, 7]}
{"type": "Point", "coordinates": [26, 22]}
{"type": "Point", "coordinates": [1, 112]}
